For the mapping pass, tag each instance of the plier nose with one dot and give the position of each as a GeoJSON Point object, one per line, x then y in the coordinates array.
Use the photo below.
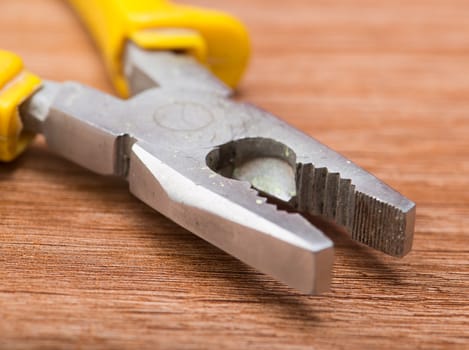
{"type": "Point", "coordinates": [221, 168]}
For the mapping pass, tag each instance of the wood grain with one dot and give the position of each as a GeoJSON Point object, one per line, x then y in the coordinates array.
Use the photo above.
{"type": "Point", "coordinates": [85, 265]}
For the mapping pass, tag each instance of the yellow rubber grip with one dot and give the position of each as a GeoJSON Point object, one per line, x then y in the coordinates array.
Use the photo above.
{"type": "Point", "coordinates": [217, 40]}
{"type": "Point", "coordinates": [16, 85]}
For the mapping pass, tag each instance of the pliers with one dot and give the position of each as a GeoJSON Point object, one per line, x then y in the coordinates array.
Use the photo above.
{"type": "Point", "coordinates": [231, 173]}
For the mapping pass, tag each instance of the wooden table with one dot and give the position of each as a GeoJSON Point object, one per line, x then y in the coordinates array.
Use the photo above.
{"type": "Point", "coordinates": [86, 265]}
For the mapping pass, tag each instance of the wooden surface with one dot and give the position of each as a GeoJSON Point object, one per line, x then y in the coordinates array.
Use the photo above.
{"type": "Point", "coordinates": [85, 265]}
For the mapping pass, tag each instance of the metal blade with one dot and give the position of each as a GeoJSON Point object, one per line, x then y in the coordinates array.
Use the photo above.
{"type": "Point", "coordinates": [232, 216]}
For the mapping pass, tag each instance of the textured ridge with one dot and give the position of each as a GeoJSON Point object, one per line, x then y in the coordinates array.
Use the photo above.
{"type": "Point", "coordinates": [369, 220]}
{"type": "Point", "coordinates": [263, 200]}
{"type": "Point", "coordinates": [320, 192]}
{"type": "Point", "coordinates": [378, 225]}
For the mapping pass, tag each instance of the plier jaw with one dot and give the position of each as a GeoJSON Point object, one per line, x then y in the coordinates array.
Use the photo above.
{"type": "Point", "coordinates": [210, 164]}
{"type": "Point", "coordinates": [222, 169]}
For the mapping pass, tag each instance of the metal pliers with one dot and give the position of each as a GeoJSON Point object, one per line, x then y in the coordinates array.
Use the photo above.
{"type": "Point", "coordinates": [222, 169]}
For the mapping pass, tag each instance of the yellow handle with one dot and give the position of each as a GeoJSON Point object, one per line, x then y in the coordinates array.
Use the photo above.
{"type": "Point", "coordinates": [16, 85]}
{"type": "Point", "coordinates": [215, 39]}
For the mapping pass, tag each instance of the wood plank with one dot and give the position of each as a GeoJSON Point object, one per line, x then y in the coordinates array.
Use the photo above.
{"type": "Point", "coordinates": [86, 265]}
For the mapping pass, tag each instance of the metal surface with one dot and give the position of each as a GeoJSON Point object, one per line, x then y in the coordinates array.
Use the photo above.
{"type": "Point", "coordinates": [145, 70]}
{"type": "Point", "coordinates": [198, 158]}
